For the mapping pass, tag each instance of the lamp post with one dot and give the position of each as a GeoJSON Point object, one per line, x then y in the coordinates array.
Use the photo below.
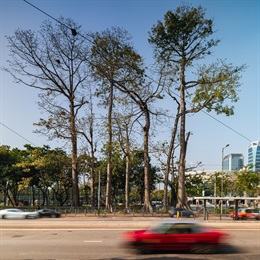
{"type": "Point", "coordinates": [222, 176]}
{"type": "Point", "coordinates": [98, 193]}
{"type": "Point", "coordinates": [215, 192]}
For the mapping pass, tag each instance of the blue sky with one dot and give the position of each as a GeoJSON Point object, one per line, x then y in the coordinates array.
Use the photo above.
{"type": "Point", "coordinates": [237, 24]}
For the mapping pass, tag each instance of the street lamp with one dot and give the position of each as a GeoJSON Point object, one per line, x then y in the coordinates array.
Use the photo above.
{"type": "Point", "coordinates": [98, 193]}
{"type": "Point", "coordinates": [222, 175]}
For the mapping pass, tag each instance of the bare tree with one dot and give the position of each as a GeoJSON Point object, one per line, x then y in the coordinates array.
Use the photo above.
{"type": "Point", "coordinates": [53, 60]}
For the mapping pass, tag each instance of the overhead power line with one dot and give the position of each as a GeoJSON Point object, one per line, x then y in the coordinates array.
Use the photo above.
{"type": "Point", "coordinates": [42, 11]}
{"type": "Point", "coordinates": [226, 126]}
{"type": "Point", "coordinates": [74, 33]}
{"type": "Point", "coordinates": [18, 134]}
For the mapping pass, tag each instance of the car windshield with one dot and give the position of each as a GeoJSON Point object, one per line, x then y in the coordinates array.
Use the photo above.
{"type": "Point", "coordinates": [14, 210]}
{"type": "Point", "coordinates": [175, 228]}
{"type": "Point", "coordinates": [160, 228]}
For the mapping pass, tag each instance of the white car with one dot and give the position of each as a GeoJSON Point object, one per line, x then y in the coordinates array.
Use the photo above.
{"type": "Point", "coordinates": [17, 214]}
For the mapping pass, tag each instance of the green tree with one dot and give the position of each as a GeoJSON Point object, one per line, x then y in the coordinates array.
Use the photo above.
{"type": "Point", "coordinates": [221, 180]}
{"type": "Point", "coordinates": [106, 66]}
{"type": "Point", "coordinates": [47, 169]}
{"type": "Point", "coordinates": [194, 184]}
{"type": "Point", "coordinates": [180, 43]}
{"type": "Point", "coordinates": [247, 182]}
{"type": "Point", "coordinates": [119, 67]}
{"type": "Point", "coordinates": [57, 167]}
{"type": "Point", "coordinates": [137, 180]}
{"type": "Point", "coordinates": [10, 175]}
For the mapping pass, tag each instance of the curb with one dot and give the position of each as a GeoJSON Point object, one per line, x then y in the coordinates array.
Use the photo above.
{"type": "Point", "coordinates": [118, 223]}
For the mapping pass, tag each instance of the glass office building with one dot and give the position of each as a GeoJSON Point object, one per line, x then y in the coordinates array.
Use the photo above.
{"type": "Point", "coordinates": [233, 162]}
{"type": "Point", "coordinates": [254, 156]}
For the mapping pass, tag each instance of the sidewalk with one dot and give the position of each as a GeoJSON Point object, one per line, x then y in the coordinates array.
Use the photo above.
{"type": "Point", "coordinates": [118, 222]}
{"type": "Point", "coordinates": [146, 222]}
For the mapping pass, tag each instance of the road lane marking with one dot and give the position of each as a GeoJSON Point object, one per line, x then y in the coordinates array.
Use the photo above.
{"type": "Point", "coordinates": [93, 241]}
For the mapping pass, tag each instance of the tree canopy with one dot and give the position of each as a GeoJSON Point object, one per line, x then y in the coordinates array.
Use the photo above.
{"type": "Point", "coordinates": [181, 42]}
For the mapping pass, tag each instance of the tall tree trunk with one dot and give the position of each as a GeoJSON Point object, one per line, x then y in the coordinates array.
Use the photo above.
{"type": "Point", "coordinates": [173, 189]}
{"type": "Point", "coordinates": [169, 164]}
{"type": "Point", "coordinates": [75, 187]}
{"type": "Point", "coordinates": [92, 147]}
{"type": "Point", "coordinates": [147, 204]}
{"type": "Point", "coordinates": [93, 178]}
{"type": "Point", "coordinates": [182, 158]}
{"type": "Point", "coordinates": [173, 185]}
{"type": "Point", "coordinates": [127, 172]}
{"type": "Point", "coordinates": [109, 150]}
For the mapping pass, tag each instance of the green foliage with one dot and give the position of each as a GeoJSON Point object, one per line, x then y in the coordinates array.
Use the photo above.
{"type": "Point", "coordinates": [136, 180]}
{"type": "Point", "coordinates": [113, 59]}
{"type": "Point", "coordinates": [183, 32]}
{"type": "Point", "coordinates": [216, 84]}
{"type": "Point", "coordinates": [181, 42]}
{"type": "Point", "coordinates": [137, 174]}
{"type": "Point", "coordinates": [247, 182]}
{"type": "Point", "coordinates": [10, 175]}
{"type": "Point", "coordinates": [238, 184]}
{"type": "Point", "coordinates": [39, 167]}
{"type": "Point", "coordinates": [184, 37]}
{"type": "Point", "coordinates": [219, 179]}
{"type": "Point", "coordinates": [194, 184]}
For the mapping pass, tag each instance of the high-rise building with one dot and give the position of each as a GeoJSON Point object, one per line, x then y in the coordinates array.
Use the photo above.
{"type": "Point", "coordinates": [254, 156]}
{"type": "Point", "coordinates": [233, 162]}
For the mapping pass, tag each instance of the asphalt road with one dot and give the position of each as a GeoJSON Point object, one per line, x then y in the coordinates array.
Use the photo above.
{"type": "Point", "coordinates": [99, 238]}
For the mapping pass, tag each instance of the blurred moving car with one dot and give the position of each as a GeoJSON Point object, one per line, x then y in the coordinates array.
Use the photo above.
{"type": "Point", "coordinates": [246, 213]}
{"type": "Point", "coordinates": [175, 236]}
{"type": "Point", "coordinates": [256, 214]}
{"type": "Point", "coordinates": [49, 213]}
{"type": "Point", "coordinates": [14, 213]}
{"type": "Point", "coordinates": [181, 212]}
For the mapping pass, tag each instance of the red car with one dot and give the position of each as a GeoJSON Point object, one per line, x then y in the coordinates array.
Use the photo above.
{"type": "Point", "coordinates": [246, 213]}
{"type": "Point", "coordinates": [175, 236]}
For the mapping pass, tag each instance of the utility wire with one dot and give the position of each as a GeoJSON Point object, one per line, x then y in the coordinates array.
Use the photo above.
{"type": "Point", "coordinates": [43, 12]}
{"type": "Point", "coordinates": [72, 29]}
{"type": "Point", "coordinates": [75, 33]}
{"type": "Point", "coordinates": [17, 133]}
{"type": "Point", "coordinates": [226, 125]}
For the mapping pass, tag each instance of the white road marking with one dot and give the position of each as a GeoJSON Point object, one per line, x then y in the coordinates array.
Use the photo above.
{"type": "Point", "coordinates": [93, 241]}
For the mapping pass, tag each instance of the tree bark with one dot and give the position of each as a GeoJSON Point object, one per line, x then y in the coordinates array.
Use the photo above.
{"type": "Point", "coordinates": [75, 188]}
{"type": "Point", "coordinates": [127, 172]}
{"type": "Point", "coordinates": [109, 150]}
{"type": "Point", "coordinates": [147, 204]}
{"type": "Point", "coordinates": [169, 163]}
{"type": "Point", "coordinates": [181, 169]}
